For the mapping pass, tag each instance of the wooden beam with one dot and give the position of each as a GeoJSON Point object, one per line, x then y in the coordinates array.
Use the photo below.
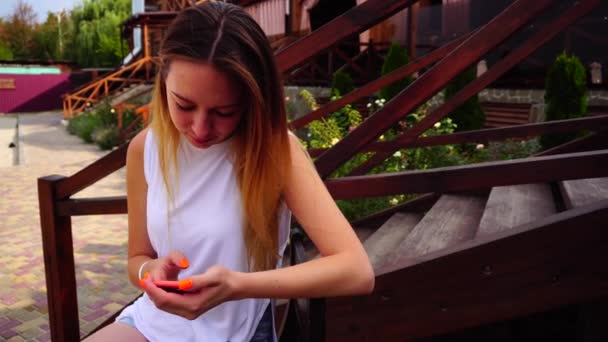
{"type": "Point", "coordinates": [353, 21]}
{"type": "Point", "coordinates": [560, 260]}
{"type": "Point", "coordinates": [481, 42]}
{"type": "Point", "coordinates": [58, 250]}
{"type": "Point", "coordinates": [500, 68]}
{"type": "Point", "coordinates": [92, 173]}
{"type": "Point", "coordinates": [92, 206]}
{"type": "Point", "coordinates": [473, 177]}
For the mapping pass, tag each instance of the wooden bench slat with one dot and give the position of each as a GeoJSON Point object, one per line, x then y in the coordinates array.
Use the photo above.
{"type": "Point", "coordinates": [580, 192]}
{"type": "Point", "coordinates": [511, 206]}
{"type": "Point", "coordinates": [389, 236]}
{"type": "Point", "coordinates": [453, 219]}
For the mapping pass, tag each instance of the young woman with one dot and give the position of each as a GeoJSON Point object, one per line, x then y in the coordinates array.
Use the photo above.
{"type": "Point", "coordinates": [211, 187]}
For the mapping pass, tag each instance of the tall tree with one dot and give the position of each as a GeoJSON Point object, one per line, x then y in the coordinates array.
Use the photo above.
{"type": "Point", "coordinates": [19, 31]}
{"type": "Point", "coordinates": [96, 39]}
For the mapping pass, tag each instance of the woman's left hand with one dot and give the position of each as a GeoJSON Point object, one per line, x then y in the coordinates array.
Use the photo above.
{"type": "Point", "coordinates": [210, 289]}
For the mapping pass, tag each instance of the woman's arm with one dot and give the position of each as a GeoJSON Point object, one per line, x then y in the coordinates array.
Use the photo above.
{"type": "Point", "coordinates": [139, 248]}
{"type": "Point", "coordinates": [342, 269]}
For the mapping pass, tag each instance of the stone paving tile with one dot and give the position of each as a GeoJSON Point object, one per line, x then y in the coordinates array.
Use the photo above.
{"type": "Point", "coordinates": [99, 241]}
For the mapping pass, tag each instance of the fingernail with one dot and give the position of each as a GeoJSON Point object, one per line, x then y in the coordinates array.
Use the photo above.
{"type": "Point", "coordinates": [142, 283]}
{"type": "Point", "coordinates": [185, 284]}
{"type": "Point", "coordinates": [146, 275]}
{"type": "Point", "coordinates": [184, 263]}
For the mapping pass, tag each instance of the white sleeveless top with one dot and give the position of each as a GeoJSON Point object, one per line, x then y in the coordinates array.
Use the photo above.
{"type": "Point", "coordinates": [206, 224]}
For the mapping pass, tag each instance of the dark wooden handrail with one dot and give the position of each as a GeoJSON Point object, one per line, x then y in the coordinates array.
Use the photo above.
{"type": "Point", "coordinates": [447, 179]}
{"type": "Point", "coordinates": [481, 42]}
{"type": "Point", "coordinates": [532, 44]}
{"type": "Point", "coordinates": [92, 173]}
{"type": "Point", "coordinates": [472, 177]}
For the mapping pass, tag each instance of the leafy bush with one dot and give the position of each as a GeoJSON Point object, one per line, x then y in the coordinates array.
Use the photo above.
{"type": "Point", "coordinates": [99, 125]}
{"type": "Point", "coordinates": [86, 125]}
{"type": "Point", "coordinates": [469, 116]}
{"type": "Point", "coordinates": [341, 83]}
{"type": "Point", "coordinates": [105, 137]}
{"type": "Point", "coordinates": [565, 96]}
{"type": "Point", "coordinates": [395, 58]}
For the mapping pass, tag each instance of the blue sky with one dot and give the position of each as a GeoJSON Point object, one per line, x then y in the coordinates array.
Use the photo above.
{"type": "Point", "coordinates": [41, 7]}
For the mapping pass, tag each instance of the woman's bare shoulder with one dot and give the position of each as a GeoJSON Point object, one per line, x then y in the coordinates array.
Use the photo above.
{"type": "Point", "coordinates": [136, 146]}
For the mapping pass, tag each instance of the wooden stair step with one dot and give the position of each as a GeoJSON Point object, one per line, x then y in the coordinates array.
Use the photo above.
{"type": "Point", "coordinates": [495, 125]}
{"type": "Point", "coordinates": [508, 114]}
{"type": "Point", "coordinates": [389, 236]}
{"type": "Point", "coordinates": [506, 110]}
{"type": "Point", "coordinates": [581, 192]}
{"type": "Point", "coordinates": [506, 120]}
{"type": "Point", "coordinates": [506, 105]}
{"type": "Point", "coordinates": [452, 220]}
{"type": "Point", "coordinates": [512, 206]}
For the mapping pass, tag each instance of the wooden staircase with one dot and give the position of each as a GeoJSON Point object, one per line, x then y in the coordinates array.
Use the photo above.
{"type": "Point", "coordinates": [457, 224]}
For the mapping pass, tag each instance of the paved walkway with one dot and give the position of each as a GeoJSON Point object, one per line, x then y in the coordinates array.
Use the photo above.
{"type": "Point", "coordinates": [99, 241]}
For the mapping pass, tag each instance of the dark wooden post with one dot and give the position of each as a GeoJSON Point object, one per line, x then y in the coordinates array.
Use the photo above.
{"type": "Point", "coordinates": [58, 263]}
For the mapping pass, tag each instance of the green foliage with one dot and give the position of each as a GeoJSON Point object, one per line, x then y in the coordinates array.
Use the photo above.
{"type": "Point", "coordinates": [512, 149]}
{"type": "Point", "coordinates": [18, 30]}
{"type": "Point", "coordinates": [88, 35]}
{"type": "Point", "coordinates": [341, 83]}
{"type": "Point", "coordinates": [395, 58]}
{"type": "Point", "coordinates": [469, 116]}
{"type": "Point", "coordinates": [327, 132]}
{"type": "Point", "coordinates": [96, 32]}
{"type": "Point", "coordinates": [83, 125]}
{"type": "Point", "coordinates": [565, 95]}
{"type": "Point", "coordinates": [5, 52]}
{"type": "Point", "coordinates": [98, 126]}
{"type": "Point", "coordinates": [105, 137]}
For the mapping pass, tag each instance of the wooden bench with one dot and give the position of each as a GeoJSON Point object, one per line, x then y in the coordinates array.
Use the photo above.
{"type": "Point", "coordinates": [506, 114]}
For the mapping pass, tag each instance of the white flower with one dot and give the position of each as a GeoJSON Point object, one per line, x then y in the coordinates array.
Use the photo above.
{"type": "Point", "coordinates": [397, 154]}
{"type": "Point", "coordinates": [394, 201]}
{"type": "Point", "coordinates": [334, 141]}
{"type": "Point", "coordinates": [382, 100]}
{"type": "Point", "coordinates": [437, 125]}
{"type": "Point", "coordinates": [382, 137]}
{"type": "Point", "coordinates": [369, 105]}
{"type": "Point", "coordinates": [112, 110]}
{"type": "Point", "coordinates": [479, 146]}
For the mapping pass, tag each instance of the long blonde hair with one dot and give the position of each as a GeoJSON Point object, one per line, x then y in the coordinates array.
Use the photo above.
{"type": "Point", "coordinates": [227, 37]}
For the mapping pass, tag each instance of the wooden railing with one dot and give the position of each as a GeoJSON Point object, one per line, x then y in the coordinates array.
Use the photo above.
{"type": "Point", "coordinates": [140, 71]}
{"type": "Point", "coordinates": [564, 162]}
{"type": "Point", "coordinates": [362, 67]}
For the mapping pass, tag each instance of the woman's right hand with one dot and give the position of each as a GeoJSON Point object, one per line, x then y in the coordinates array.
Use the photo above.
{"type": "Point", "coordinates": [166, 267]}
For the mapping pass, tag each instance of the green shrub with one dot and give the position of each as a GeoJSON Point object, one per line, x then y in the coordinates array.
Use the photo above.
{"type": "Point", "coordinates": [469, 116]}
{"type": "Point", "coordinates": [565, 96]}
{"type": "Point", "coordinates": [106, 137]}
{"type": "Point", "coordinates": [128, 117]}
{"type": "Point", "coordinates": [86, 125]}
{"type": "Point", "coordinates": [341, 83]}
{"type": "Point", "coordinates": [395, 58]}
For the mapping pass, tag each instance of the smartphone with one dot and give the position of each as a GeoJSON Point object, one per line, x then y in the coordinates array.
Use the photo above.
{"type": "Point", "coordinates": [169, 286]}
